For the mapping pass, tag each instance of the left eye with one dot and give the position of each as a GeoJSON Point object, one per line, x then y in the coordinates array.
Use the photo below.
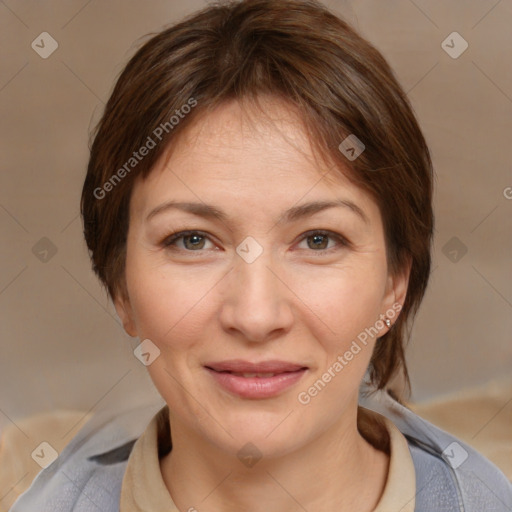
{"type": "Point", "coordinates": [318, 240]}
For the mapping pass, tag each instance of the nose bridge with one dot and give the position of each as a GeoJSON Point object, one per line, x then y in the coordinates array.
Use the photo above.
{"type": "Point", "coordinates": [257, 278]}
{"type": "Point", "coordinates": [256, 302]}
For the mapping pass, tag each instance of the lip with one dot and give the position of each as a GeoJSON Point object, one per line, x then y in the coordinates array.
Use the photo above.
{"type": "Point", "coordinates": [286, 375]}
{"type": "Point", "coordinates": [270, 366]}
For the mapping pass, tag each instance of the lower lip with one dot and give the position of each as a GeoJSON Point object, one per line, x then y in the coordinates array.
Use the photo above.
{"type": "Point", "coordinates": [257, 387]}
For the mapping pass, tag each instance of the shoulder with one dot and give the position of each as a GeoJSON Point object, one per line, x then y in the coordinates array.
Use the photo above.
{"type": "Point", "coordinates": [450, 475]}
{"type": "Point", "coordinates": [88, 473]}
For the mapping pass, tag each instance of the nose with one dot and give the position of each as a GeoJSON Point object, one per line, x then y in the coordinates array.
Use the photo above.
{"type": "Point", "coordinates": [257, 300]}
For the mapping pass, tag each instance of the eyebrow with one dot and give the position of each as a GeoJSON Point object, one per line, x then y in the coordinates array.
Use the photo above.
{"type": "Point", "coordinates": [296, 212]}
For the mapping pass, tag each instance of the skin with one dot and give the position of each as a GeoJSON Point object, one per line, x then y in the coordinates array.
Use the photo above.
{"type": "Point", "coordinates": [202, 302]}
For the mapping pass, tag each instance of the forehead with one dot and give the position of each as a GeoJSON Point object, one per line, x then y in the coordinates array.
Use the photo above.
{"type": "Point", "coordinates": [271, 132]}
{"type": "Point", "coordinates": [244, 154]}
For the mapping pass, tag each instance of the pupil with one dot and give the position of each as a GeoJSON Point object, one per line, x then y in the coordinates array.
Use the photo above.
{"type": "Point", "coordinates": [319, 238]}
{"type": "Point", "coordinates": [194, 240]}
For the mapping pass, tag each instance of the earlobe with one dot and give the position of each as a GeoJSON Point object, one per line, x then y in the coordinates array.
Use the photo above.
{"type": "Point", "coordinates": [124, 311]}
{"type": "Point", "coordinates": [396, 291]}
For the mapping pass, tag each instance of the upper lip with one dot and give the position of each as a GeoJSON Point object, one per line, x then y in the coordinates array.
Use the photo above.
{"type": "Point", "coordinates": [239, 365]}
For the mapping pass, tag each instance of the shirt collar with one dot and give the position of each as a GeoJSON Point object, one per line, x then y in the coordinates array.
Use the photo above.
{"type": "Point", "coordinates": [143, 487]}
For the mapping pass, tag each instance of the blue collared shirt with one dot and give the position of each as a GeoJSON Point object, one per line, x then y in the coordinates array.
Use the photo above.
{"type": "Point", "coordinates": [87, 475]}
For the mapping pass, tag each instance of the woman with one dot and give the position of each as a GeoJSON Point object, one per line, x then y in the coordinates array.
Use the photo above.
{"type": "Point", "coordinates": [258, 203]}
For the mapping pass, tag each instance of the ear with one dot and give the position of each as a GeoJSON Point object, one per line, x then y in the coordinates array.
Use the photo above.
{"type": "Point", "coordinates": [396, 287]}
{"type": "Point", "coordinates": [125, 313]}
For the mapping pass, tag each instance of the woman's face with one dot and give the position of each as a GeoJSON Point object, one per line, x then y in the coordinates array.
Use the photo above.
{"type": "Point", "coordinates": [273, 280]}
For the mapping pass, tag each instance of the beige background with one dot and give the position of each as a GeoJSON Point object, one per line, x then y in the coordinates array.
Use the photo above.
{"type": "Point", "coordinates": [62, 344]}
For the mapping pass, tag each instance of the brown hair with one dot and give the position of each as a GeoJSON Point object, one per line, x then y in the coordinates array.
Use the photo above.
{"type": "Point", "coordinates": [294, 50]}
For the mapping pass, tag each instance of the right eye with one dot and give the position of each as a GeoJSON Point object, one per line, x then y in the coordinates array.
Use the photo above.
{"type": "Point", "coordinates": [193, 241]}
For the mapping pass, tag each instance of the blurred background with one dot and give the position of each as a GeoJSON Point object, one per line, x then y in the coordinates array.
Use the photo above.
{"type": "Point", "coordinates": [62, 344]}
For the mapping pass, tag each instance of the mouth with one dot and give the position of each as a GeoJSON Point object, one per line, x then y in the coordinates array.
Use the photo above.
{"type": "Point", "coordinates": [249, 375]}
{"type": "Point", "coordinates": [256, 380]}
{"type": "Point", "coordinates": [239, 366]}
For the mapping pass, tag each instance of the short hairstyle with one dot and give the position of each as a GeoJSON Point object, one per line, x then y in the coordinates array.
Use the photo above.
{"type": "Point", "coordinates": [294, 50]}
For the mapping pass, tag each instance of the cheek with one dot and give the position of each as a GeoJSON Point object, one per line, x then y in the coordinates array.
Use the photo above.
{"type": "Point", "coordinates": [344, 310]}
{"type": "Point", "coordinates": [166, 304]}
{"type": "Point", "coordinates": [342, 301]}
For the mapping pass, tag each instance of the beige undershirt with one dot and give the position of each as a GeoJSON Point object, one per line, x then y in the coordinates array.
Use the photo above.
{"type": "Point", "coordinates": [143, 488]}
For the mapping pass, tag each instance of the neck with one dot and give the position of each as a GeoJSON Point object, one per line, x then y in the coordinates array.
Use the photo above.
{"type": "Point", "coordinates": [339, 470]}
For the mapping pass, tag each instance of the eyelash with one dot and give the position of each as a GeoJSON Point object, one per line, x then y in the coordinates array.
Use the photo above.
{"type": "Point", "coordinates": [169, 241]}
